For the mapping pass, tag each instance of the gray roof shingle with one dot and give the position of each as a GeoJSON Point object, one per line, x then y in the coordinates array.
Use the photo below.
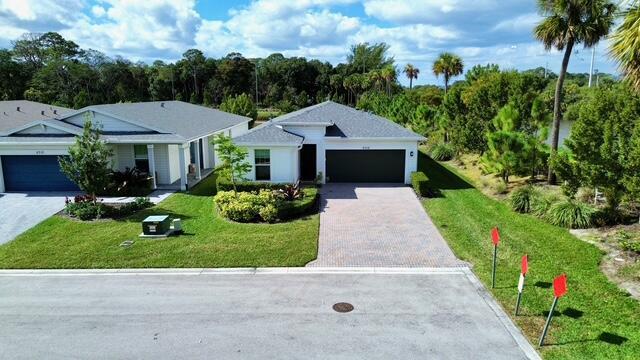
{"type": "Point", "coordinates": [268, 134]}
{"type": "Point", "coordinates": [173, 117]}
{"type": "Point", "coordinates": [30, 111]}
{"type": "Point", "coordinates": [341, 121]}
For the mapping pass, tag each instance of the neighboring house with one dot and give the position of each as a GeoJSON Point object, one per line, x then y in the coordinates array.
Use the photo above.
{"type": "Point", "coordinates": [167, 139]}
{"type": "Point", "coordinates": [332, 143]}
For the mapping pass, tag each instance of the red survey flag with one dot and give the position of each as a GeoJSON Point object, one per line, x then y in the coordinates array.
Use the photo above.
{"type": "Point", "coordinates": [525, 265]}
{"type": "Point", "coordinates": [495, 236]}
{"type": "Point", "coordinates": [560, 286]}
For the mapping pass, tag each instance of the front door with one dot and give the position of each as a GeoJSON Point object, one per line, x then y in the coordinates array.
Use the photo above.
{"type": "Point", "coordinates": [308, 162]}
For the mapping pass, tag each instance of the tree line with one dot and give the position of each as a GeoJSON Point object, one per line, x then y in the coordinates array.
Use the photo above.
{"type": "Point", "coordinates": [51, 69]}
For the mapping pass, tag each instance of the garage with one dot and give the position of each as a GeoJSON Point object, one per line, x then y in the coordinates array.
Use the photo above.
{"type": "Point", "coordinates": [34, 173]}
{"type": "Point", "coordinates": [365, 166]}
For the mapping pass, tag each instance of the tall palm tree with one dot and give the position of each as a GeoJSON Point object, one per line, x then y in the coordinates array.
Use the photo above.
{"type": "Point", "coordinates": [412, 73]}
{"type": "Point", "coordinates": [390, 75]}
{"type": "Point", "coordinates": [448, 65]}
{"type": "Point", "coordinates": [567, 23]}
{"type": "Point", "coordinates": [625, 45]}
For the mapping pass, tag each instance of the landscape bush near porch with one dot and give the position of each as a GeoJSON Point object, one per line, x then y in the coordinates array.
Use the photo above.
{"type": "Point", "coordinates": [264, 205]}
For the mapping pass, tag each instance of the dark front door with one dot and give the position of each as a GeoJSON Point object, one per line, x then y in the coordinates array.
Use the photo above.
{"type": "Point", "coordinates": [34, 173]}
{"type": "Point", "coordinates": [365, 166]}
{"type": "Point", "coordinates": [308, 162]}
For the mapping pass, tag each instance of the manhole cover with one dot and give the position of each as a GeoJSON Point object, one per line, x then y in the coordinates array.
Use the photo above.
{"type": "Point", "coordinates": [343, 307]}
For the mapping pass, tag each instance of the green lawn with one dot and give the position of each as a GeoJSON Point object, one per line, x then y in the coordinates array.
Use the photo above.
{"type": "Point", "coordinates": [595, 320]}
{"type": "Point", "coordinates": [209, 241]}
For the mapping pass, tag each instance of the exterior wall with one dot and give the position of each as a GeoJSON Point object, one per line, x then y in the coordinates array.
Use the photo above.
{"type": "Point", "coordinates": [410, 164]}
{"type": "Point", "coordinates": [174, 163]}
{"type": "Point", "coordinates": [108, 123]}
{"type": "Point", "coordinates": [312, 135]}
{"type": "Point", "coordinates": [237, 130]}
{"type": "Point", "coordinates": [34, 149]}
{"type": "Point", "coordinates": [123, 154]}
{"type": "Point", "coordinates": [41, 129]}
{"type": "Point", "coordinates": [284, 163]}
{"type": "Point", "coordinates": [124, 158]}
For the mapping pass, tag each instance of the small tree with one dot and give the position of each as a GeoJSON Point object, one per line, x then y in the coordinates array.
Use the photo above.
{"type": "Point", "coordinates": [234, 158]}
{"type": "Point", "coordinates": [505, 145]}
{"type": "Point", "coordinates": [88, 162]}
{"type": "Point", "coordinates": [240, 105]}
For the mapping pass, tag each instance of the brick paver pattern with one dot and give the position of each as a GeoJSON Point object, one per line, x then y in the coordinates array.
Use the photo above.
{"type": "Point", "coordinates": [378, 226]}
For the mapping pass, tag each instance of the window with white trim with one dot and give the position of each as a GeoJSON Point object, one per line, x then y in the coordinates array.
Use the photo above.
{"type": "Point", "coordinates": [263, 164]}
{"type": "Point", "coordinates": [141, 157]}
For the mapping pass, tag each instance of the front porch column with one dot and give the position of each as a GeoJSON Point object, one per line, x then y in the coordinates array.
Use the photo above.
{"type": "Point", "coordinates": [197, 159]}
{"type": "Point", "coordinates": [152, 165]}
{"type": "Point", "coordinates": [2, 189]}
{"type": "Point", "coordinates": [183, 166]}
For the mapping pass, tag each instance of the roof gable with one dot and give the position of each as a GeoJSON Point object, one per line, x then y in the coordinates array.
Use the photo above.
{"type": "Point", "coordinates": [346, 122]}
{"type": "Point", "coordinates": [186, 120]}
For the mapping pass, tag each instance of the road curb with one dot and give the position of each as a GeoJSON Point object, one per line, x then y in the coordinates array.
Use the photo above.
{"type": "Point", "coordinates": [231, 271]}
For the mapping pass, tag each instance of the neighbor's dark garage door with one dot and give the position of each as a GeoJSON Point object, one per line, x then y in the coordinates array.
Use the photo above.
{"type": "Point", "coordinates": [377, 166]}
{"type": "Point", "coordinates": [34, 173]}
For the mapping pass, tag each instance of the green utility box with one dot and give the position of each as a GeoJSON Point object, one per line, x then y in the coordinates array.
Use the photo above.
{"type": "Point", "coordinates": [156, 225]}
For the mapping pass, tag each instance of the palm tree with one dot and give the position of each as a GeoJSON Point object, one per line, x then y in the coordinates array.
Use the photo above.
{"type": "Point", "coordinates": [448, 65]}
{"type": "Point", "coordinates": [567, 23]}
{"type": "Point", "coordinates": [390, 75]}
{"type": "Point", "coordinates": [412, 73]}
{"type": "Point", "coordinates": [625, 45]}
{"type": "Point", "coordinates": [376, 78]}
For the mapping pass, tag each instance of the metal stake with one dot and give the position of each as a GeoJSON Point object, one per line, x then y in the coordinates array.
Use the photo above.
{"type": "Point", "coordinates": [546, 325]}
{"type": "Point", "coordinates": [518, 303]}
{"type": "Point", "coordinates": [493, 277]}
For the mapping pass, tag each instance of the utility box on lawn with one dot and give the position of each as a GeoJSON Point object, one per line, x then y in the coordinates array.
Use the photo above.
{"type": "Point", "coordinates": [156, 225]}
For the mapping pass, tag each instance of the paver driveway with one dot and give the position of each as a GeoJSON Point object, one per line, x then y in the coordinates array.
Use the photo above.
{"type": "Point", "coordinates": [378, 225]}
{"type": "Point", "coordinates": [20, 212]}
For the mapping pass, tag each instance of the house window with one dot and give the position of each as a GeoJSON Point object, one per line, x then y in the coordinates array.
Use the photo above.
{"type": "Point", "coordinates": [263, 164]}
{"type": "Point", "coordinates": [141, 157]}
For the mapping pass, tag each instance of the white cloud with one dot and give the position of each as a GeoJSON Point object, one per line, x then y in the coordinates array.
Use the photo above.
{"type": "Point", "coordinates": [415, 11]}
{"type": "Point", "coordinates": [525, 22]}
{"type": "Point", "coordinates": [481, 31]}
{"type": "Point", "coordinates": [98, 11]}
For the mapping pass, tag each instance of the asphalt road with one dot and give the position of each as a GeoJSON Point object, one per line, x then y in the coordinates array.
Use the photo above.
{"type": "Point", "coordinates": [273, 314]}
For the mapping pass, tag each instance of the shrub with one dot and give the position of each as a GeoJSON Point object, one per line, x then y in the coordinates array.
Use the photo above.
{"type": "Point", "coordinates": [293, 209]}
{"type": "Point", "coordinates": [130, 182]}
{"type": "Point", "coordinates": [245, 206]}
{"type": "Point", "coordinates": [607, 216]}
{"type": "Point", "coordinates": [139, 203]}
{"type": "Point", "coordinates": [522, 198]}
{"type": "Point", "coordinates": [627, 242]}
{"type": "Point", "coordinates": [541, 204]}
{"type": "Point", "coordinates": [442, 152]}
{"type": "Point", "coordinates": [268, 213]}
{"type": "Point", "coordinates": [84, 207]}
{"type": "Point", "coordinates": [291, 192]}
{"type": "Point", "coordinates": [420, 183]}
{"type": "Point", "coordinates": [500, 187]}
{"type": "Point", "coordinates": [223, 183]}
{"type": "Point", "coordinates": [570, 214]}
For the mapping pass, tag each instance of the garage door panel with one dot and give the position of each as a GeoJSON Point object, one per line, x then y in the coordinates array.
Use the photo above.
{"type": "Point", "coordinates": [34, 173]}
{"type": "Point", "coordinates": [374, 166]}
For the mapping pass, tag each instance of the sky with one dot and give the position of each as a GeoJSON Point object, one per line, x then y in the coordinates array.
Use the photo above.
{"type": "Point", "coordinates": [480, 31]}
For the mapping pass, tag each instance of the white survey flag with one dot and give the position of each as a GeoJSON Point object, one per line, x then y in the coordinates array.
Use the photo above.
{"type": "Point", "coordinates": [521, 283]}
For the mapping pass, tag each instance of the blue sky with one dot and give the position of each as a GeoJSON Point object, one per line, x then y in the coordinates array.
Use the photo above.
{"type": "Point", "coordinates": [480, 31]}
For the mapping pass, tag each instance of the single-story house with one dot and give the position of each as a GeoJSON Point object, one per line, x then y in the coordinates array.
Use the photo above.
{"type": "Point", "coordinates": [171, 140]}
{"type": "Point", "coordinates": [330, 142]}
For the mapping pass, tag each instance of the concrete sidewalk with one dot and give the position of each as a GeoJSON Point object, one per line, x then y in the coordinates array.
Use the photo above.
{"type": "Point", "coordinates": [253, 314]}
